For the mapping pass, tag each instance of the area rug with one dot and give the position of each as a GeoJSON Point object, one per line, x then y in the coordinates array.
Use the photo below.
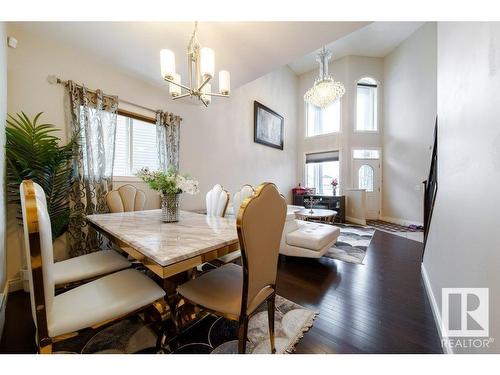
{"type": "Point", "coordinates": [352, 243]}
{"type": "Point", "coordinates": [391, 227]}
{"type": "Point", "coordinates": [211, 334]}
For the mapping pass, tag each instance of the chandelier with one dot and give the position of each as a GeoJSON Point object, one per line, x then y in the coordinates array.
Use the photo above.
{"type": "Point", "coordinates": [200, 70]}
{"type": "Point", "coordinates": [325, 90]}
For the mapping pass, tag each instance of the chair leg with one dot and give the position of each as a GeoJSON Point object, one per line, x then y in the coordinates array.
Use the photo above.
{"type": "Point", "coordinates": [242, 336]}
{"type": "Point", "coordinates": [270, 317]}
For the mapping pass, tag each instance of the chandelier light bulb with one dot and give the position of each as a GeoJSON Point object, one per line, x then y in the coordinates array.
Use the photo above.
{"type": "Point", "coordinates": [167, 63]}
{"type": "Point", "coordinates": [207, 62]}
{"type": "Point", "coordinates": [224, 82]}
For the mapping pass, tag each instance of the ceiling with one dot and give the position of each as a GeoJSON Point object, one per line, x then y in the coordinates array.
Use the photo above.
{"type": "Point", "coordinates": [247, 49]}
{"type": "Point", "coordinates": [376, 39]}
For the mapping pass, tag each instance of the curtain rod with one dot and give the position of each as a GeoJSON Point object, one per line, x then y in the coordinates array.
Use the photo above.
{"type": "Point", "coordinates": [52, 79]}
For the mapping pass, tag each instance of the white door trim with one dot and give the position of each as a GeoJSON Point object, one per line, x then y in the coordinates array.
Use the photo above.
{"type": "Point", "coordinates": [354, 183]}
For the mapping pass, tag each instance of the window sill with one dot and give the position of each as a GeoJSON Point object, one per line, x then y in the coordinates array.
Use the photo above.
{"type": "Point", "coordinates": [319, 136]}
{"type": "Point", "coordinates": [126, 179]}
{"type": "Point", "coordinates": [366, 131]}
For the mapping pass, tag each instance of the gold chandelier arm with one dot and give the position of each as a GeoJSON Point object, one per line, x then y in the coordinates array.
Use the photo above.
{"type": "Point", "coordinates": [204, 83]}
{"type": "Point", "coordinates": [216, 94]}
{"type": "Point", "coordinates": [203, 101]}
{"type": "Point", "coordinates": [178, 84]}
{"type": "Point", "coordinates": [181, 96]}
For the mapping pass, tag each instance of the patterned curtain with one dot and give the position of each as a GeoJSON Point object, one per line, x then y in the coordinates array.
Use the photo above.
{"type": "Point", "coordinates": [167, 136]}
{"type": "Point", "coordinates": [93, 120]}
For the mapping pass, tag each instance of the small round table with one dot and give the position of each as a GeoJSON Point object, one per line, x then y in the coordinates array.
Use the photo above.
{"type": "Point", "coordinates": [327, 216]}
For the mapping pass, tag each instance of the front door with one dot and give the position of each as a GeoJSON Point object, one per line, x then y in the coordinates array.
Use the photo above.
{"type": "Point", "coordinates": [367, 176]}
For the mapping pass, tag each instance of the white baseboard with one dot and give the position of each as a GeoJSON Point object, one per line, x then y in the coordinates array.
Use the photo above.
{"type": "Point", "coordinates": [436, 312]}
{"type": "Point", "coordinates": [398, 221]}
{"type": "Point", "coordinates": [355, 220]}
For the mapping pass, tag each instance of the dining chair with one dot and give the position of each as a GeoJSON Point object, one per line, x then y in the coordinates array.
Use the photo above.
{"type": "Point", "coordinates": [217, 200]}
{"type": "Point", "coordinates": [91, 305]}
{"type": "Point", "coordinates": [84, 267]}
{"type": "Point", "coordinates": [245, 192]}
{"type": "Point", "coordinates": [236, 292]}
{"type": "Point", "coordinates": [125, 199]}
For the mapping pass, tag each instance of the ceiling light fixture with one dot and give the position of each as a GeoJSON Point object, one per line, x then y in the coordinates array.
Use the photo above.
{"type": "Point", "coordinates": [325, 90]}
{"type": "Point", "coordinates": [201, 69]}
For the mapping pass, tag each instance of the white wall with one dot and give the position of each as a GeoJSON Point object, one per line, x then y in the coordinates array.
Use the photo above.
{"type": "Point", "coordinates": [409, 116]}
{"type": "Point", "coordinates": [347, 70]}
{"type": "Point", "coordinates": [3, 109]}
{"type": "Point", "coordinates": [463, 244]}
{"type": "Point", "coordinates": [216, 142]}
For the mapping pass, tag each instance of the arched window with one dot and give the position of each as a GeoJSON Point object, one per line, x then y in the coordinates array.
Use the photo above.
{"type": "Point", "coordinates": [366, 105]}
{"type": "Point", "coordinates": [365, 178]}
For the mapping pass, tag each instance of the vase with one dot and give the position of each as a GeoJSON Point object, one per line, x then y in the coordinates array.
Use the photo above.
{"type": "Point", "coordinates": [334, 191]}
{"type": "Point", "coordinates": [170, 208]}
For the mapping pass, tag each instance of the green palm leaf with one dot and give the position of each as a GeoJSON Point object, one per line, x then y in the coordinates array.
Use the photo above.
{"type": "Point", "coordinates": [33, 152]}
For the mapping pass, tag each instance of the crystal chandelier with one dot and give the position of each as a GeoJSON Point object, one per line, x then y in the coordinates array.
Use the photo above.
{"type": "Point", "coordinates": [200, 70]}
{"type": "Point", "coordinates": [325, 90]}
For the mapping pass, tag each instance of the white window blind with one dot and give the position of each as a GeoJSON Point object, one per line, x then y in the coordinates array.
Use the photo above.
{"type": "Point", "coordinates": [321, 169]}
{"type": "Point", "coordinates": [135, 146]}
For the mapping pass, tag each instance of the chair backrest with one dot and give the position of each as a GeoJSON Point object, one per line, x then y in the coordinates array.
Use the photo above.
{"type": "Point", "coordinates": [125, 199]}
{"type": "Point", "coordinates": [260, 224]}
{"type": "Point", "coordinates": [39, 253]}
{"type": "Point", "coordinates": [217, 200]}
{"type": "Point", "coordinates": [238, 198]}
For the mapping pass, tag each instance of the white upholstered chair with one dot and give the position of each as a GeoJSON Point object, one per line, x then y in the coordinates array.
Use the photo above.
{"type": "Point", "coordinates": [84, 267]}
{"type": "Point", "coordinates": [304, 238]}
{"type": "Point", "coordinates": [238, 198]}
{"type": "Point", "coordinates": [125, 199]}
{"type": "Point", "coordinates": [236, 292]}
{"type": "Point", "coordinates": [217, 200]}
{"type": "Point", "coordinates": [90, 305]}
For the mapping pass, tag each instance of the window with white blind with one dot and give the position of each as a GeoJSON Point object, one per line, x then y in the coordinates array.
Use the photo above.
{"type": "Point", "coordinates": [321, 169]}
{"type": "Point", "coordinates": [323, 120]}
{"type": "Point", "coordinates": [135, 146]}
{"type": "Point", "coordinates": [366, 105]}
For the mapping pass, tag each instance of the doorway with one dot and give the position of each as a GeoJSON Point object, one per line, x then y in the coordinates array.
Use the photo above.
{"type": "Point", "coordinates": [366, 175]}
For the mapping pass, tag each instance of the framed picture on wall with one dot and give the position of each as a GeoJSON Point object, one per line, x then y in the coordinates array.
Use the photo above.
{"type": "Point", "coordinates": [267, 127]}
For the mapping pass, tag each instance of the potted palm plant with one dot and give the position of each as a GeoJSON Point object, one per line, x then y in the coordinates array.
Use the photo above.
{"type": "Point", "coordinates": [34, 152]}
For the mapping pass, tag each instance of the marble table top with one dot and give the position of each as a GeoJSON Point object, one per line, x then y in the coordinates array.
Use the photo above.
{"type": "Point", "coordinates": [168, 243]}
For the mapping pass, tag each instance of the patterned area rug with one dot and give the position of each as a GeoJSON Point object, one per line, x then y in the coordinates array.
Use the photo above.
{"type": "Point", "coordinates": [391, 228]}
{"type": "Point", "coordinates": [352, 243]}
{"type": "Point", "coordinates": [211, 334]}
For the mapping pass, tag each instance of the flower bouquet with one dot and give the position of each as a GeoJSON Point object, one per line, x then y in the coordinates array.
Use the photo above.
{"type": "Point", "coordinates": [170, 185]}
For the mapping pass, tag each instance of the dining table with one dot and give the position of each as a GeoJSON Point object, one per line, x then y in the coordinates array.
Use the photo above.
{"type": "Point", "coordinates": [172, 251]}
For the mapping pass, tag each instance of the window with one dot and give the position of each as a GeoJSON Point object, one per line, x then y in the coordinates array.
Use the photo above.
{"type": "Point", "coordinates": [366, 105]}
{"type": "Point", "coordinates": [135, 146]}
{"type": "Point", "coordinates": [365, 178]}
{"type": "Point", "coordinates": [321, 169]}
{"type": "Point", "coordinates": [365, 154]}
{"type": "Point", "coordinates": [323, 121]}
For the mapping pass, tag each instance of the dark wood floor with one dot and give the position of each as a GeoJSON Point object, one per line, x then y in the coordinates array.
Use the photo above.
{"type": "Point", "coordinates": [378, 307]}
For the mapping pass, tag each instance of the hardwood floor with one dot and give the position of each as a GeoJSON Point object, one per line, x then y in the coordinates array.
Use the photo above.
{"type": "Point", "coordinates": [377, 307]}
